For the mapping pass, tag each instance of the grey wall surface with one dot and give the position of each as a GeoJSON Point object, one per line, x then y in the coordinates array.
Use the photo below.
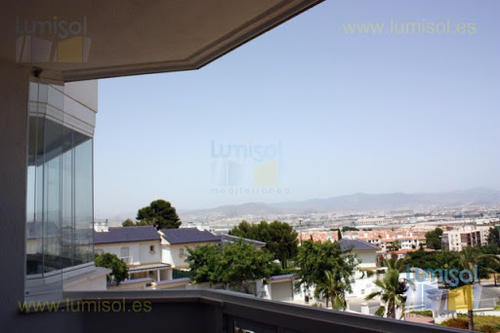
{"type": "Point", "coordinates": [13, 127]}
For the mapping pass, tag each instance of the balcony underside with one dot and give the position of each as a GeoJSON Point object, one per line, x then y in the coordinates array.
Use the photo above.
{"type": "Point", "coordinates": [117, 37]}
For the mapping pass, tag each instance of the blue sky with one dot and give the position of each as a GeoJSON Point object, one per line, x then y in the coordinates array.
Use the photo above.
{"type": "Point", "coordinates": [353, 112]}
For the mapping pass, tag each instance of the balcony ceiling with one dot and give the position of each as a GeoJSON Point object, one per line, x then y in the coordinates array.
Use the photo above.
{"type": "Point", "coordinates": [127, 37]}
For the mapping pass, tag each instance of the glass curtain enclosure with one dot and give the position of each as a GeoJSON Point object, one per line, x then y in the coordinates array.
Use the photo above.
{"type": "Point", "coordinates": [59, 232]}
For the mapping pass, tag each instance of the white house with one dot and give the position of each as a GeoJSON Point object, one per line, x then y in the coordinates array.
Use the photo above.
{"type": "Point", "coordinates": [152, 255]}
{"type": "Point", "coordinates": [175, 242]}
{"type": "Point", "coordinates": [362, 280]}
{"type": "Point", "coordinates": [139, 247]}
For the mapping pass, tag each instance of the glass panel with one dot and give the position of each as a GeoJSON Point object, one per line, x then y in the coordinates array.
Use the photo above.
{"type": "Point", "coordinates": [68, 248]}
{"type": "Point", "coordinates": [59, 230]}
{"type": "Point", "coordinates": [44, 202]}
{"type": "Point", "coordinates": [84, 200]}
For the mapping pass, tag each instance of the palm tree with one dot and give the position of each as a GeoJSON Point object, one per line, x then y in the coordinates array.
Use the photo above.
{"type": "Point", "coordinates": [398, 265]}
{"type": "Point", "coordinates": [332, 289]}
{"type": "Point", "coordinates": [469, 259]}
{"type": "Point", "coordinates": [392, 294]}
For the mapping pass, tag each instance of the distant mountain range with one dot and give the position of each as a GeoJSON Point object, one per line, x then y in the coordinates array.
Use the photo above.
{"type": "Point", "coordinates": [361, 202]}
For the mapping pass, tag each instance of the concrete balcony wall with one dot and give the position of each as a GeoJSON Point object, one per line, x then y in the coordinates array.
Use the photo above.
{"type": "Point", "coordinates": [200, 311]}
{"type": "Point", "coordinates": [203, 310]}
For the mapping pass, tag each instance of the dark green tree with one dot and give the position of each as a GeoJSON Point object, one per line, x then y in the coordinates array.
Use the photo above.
{"type": "Point", "coordinates": [280, 238]}
{"type": "Point", "coordinates": [247, 230]}
{"type": "Point", "coordinates": [316, 258]}
{"type": "Point", "coordinates": [203, 262]}
{"type": "Point", "coordinates": [491, 266]}
{"type": "Point", "coordinates": [348, 228]}
{"type": "Point", "coordinates": [433, 239]}
{"type": "Point", "coordinates": [432, 261]}
{"type": "Point", "coordinates": [128, 223]}
{"type": "Point", "coordinates": [242, 262]}
{"type": "Point", "coordinates": [119, 269]}
{"type": "Point", "coordinates": [160, 213]}
{"type": "Point", "coordinates": [480, 256]}
{"type": "Point", "coordinates": [494, 236]}
{"type": "Point", "coordinates": [232, 264]}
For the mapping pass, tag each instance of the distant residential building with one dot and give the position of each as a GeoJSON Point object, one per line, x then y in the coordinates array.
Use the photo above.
{"type": "Point", "coordinates": [318, 235]}
{"type": "Point", "coordinates": [403, 253]}
{"type": "Point", "coordinates": [409, 243]}
{"type": "Point", "coordinates": [458, 239]}
{"type": "Point", "coordinates": [372, 221]}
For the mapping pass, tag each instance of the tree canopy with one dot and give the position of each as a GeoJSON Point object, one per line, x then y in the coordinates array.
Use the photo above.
{"type": "Point", "coordinates": [433, 239]}
{"type": "Point", "coordinates": [119, 269]}
{"type": "Point", "coordinates": [128, 223]}
{"type": "Point", "coordinates": [348, 228]}
{"type": "Point", "coordinates": [280, 238]}
{"type": "Point", "coordinates": [316, 258]}
{"type": "Point", "coordinates": [231, 264]}
{"type": "Point", "coordinates": [494, 236]}
{"type": "Point", "coordinates": [483, 257]}
{"type": "Point", "coordinates": [160, 213]}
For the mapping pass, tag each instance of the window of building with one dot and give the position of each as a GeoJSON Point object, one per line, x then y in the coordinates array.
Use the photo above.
{"type": "Point", "coordinates": [124, 252]}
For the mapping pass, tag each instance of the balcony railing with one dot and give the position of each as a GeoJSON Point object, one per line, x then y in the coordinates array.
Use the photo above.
{"type": "Point", "coordinates": [208, 310]}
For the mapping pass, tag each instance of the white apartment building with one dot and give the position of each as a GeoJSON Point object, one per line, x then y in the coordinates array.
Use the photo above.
{"type": "Point", "coordinates": [460, 238]}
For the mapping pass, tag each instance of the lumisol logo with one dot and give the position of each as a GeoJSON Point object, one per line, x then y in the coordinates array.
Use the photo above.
{"type": "Point", "coordinates": [253, 151]}
{"type": "Point", "coordinates": [246, 165]}
{"type": "Point", "coordinates": [452, 276]}
{"type": "Point", "coordinates": [57, 27]}
{"type": "Point", "coordinates": [52, 40]}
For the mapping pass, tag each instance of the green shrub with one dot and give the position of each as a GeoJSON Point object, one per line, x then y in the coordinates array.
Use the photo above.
{"type": "Point", "coordinates": [487, 329]}
{"type": "Point", "coordinates": [456, 323]}
{"type": "Point", "coordinates": [425, 313]}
